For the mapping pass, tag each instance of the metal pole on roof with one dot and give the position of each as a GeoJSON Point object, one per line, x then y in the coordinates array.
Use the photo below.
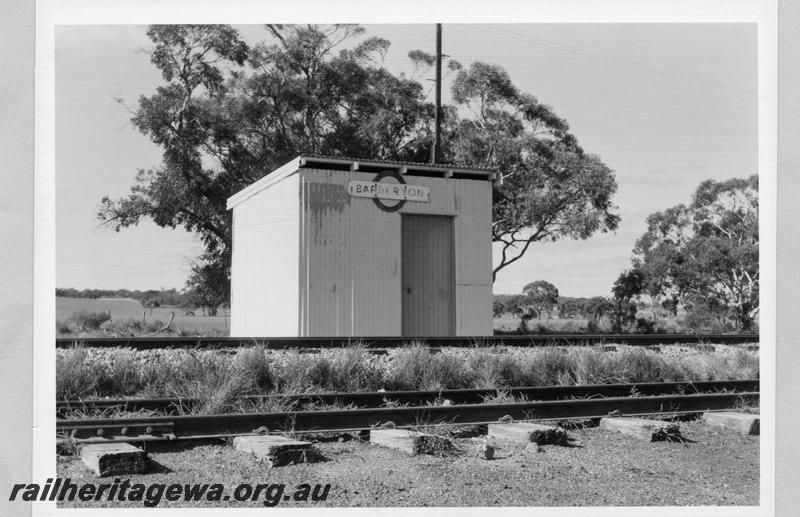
{"type": "Point", "coordinates": [437, 142]}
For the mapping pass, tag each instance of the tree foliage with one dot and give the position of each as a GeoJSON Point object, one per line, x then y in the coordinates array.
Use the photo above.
{"type": "Point", "coordinates": [498, 309]}
{"type": "Point", "coordinates": [542, 296]}
{"type": "Point", "coordinates": [207, 285]}
{"type": "Point", "coordinates": [229, 113]}
{"type": "Point", "coordinates": [627, 286]}
{"type": "Point", "coordinates": [706, 254]}
{"type": "Point", "coordinates": [548, 187]}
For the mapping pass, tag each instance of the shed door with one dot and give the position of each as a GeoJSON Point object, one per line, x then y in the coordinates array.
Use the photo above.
{"type": "Point", "coordinates": [428, 275]}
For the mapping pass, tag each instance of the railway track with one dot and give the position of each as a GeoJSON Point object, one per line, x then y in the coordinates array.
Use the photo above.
{"type": "Point", "coordinates": [198, 427]}
{"type": "Point", "coordinates": [416, 398]}
{"type": "Point", "coordinates": [152, 343]}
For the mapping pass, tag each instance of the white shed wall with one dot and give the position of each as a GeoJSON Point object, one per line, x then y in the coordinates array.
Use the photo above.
{"type": "Point", "coordinates": [265, 262]}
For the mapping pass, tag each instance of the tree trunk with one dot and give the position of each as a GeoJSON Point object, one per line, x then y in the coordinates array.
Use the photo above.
{"type": "Point", "coordinates": [745, 320]}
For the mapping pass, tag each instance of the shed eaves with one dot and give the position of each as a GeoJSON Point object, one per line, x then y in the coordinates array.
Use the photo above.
{"type": "Point", "coordinates": [355, 164]}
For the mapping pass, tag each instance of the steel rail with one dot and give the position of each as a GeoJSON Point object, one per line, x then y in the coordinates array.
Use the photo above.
{"type": "Point", "coordinates": [459, 396]}
{"type": "Point", "coordinates": [152, 343]}
{"type": "Point", "coordinates": [203, 426]}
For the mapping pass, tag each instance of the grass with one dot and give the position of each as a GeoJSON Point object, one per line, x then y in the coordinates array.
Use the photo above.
{"type": "Point", "coordinates": [219, 379]}
{"type": "Point", "coordinates": [504, 396]}
{"type": "Point", "coordinates": [83, 321]}
{"type": "Point", "coordinates": [434, 438]}
{"type": "Point", "coordinates": [75, 376]}
{"type": "Point", "coordinates": [124, 311]}
{"type": "Point", "coordinates": [507, 322]}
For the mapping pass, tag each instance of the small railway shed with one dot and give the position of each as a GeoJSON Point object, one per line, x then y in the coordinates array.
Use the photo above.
{"type": "Point", "coordinates": [345, 247]}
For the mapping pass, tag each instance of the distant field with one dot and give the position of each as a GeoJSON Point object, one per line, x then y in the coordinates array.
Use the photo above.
{"type": "Point", "coordinates": [509, 322]}
{"type": "Point", "coordinates": [128, 308]}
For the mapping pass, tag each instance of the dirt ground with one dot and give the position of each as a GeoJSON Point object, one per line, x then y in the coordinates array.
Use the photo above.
{"type": "Point", "coordinates": [713, 467]}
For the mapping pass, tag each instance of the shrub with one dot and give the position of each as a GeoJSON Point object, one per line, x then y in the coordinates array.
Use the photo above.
{"type": "Point", "coordinates": [572, 326]}
{"type": "Point", "coordinates": [252, 364]}
{"type": "Point", "coordinates": [490, 368]}
{"type": "Point", "coordinates": [671, 327]}
{"type": "Point", "coordinates": [120, 375]}
{"type": "Point", "coordinates": [75, 378]}
{"type": "Point", "coordinates": [645, 326]}
{"type": "Point", "coordinates": [449, 371]}
{"type": "Point", "coordinates": [637, 365]}
{"type": "Point", "coordinates": [62, 327]}
{"type": "Point", "coordinates": [699, 320]}
{"type": "Point", "coordinates": [747, 364]}
{"type": "Point", "coordinates": [304, 372]}
{"type": "Point", "coordinates": [410, 368]}
{"type": "Point", "coordinates": [88, 321]}
{"type": "Point", "coordinates": [416, 368]}
{"type": "Point", "coordinates": [541, 328]}
{"type": "Point", "coordinates": [213, 382]}
{"type": "Point", "coordinates": [352, 370]}
{"type": "Point", "coordinates": [593, 366]}
{"type": "Point", "coordinates": [131, 327]}
{"type": "Point", "coordinates": [548, 367]}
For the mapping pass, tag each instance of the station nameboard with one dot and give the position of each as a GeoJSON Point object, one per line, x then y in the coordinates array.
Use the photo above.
{"type": "Point", "coordinates": [386, 190]}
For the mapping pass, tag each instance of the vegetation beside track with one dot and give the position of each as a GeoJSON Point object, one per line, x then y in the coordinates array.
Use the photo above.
{"type": "Point", "coordinates": [218, 377]}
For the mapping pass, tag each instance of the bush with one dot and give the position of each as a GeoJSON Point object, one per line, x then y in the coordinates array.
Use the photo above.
{"type": "Point", "coordinates": [541, 328]}
{"type": "Point", "coordinates": [746, 363]}
{"type": "Point", "coordinates": [645, 326]}
{"type": "Point", "coordinates": [75, 378]}
{"type": "Point", "coordinates": [131, 327]}
{"type": "Point", "coordinates": [671, 327]}
{"type": "Point", "coordinates": [699, 320]}
{"type": "Point", "coordinates": [491, 369]}
{"type": "Point", "coordinates": [416, 368]}
{"type": "Point", "coordinates": [252, 364]}
{"type": "Point", "coordinates": [87, 321]}
{"type": "Point", "coordinates": [410, 369]}
{"type": "Point", "coordinates": [352, 370]}
{"type": "Point", "coordinates": [593, 366]}
{"type": "Point", "coordinates": [449, 371]}
{"type": "Point", "coordinates": [572, 327]}
{"type": "Point", "coordinates": [119, 375]}
{"type": "Point", "coordinates": [214, 382]}
{"type": "Point", "coordinates": [304, 372]}
{"type": "Point", "coordinates": [62, 327]}
{"type": "Point", "coordinates": [637, 365]}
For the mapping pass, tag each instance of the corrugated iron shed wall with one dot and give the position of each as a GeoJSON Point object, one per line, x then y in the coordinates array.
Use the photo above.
{"type": "Point", "coordinates": [350, 251]}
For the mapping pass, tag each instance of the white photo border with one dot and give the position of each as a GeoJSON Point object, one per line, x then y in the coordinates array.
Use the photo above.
{"type": "Point", "coordinates": [51, 13]}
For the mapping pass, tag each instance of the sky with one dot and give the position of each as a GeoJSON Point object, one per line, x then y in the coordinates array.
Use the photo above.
{"type": "Point", "coordinates": [665, 106]}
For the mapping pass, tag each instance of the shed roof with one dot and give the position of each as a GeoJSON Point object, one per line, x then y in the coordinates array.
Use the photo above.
{"type": "Point", "coordinates": [310, 161]}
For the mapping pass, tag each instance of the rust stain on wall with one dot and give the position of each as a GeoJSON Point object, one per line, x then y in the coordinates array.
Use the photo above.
{"type": "Point", "coordinates": [322, 200]}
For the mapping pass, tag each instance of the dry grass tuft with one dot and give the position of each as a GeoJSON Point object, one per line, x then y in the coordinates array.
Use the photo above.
{"type": "Point", "coordinates": [75, 377]}
{"type": "Point", "coordinates": [220, 378]}
{"type": "Point", "coordinates": [503, 396]}
{"type": "Point", "coordinates": [434, 438]}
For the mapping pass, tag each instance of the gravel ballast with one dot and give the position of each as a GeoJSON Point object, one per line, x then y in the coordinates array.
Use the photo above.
{"type": "Point", "coordinates": [713, 467]}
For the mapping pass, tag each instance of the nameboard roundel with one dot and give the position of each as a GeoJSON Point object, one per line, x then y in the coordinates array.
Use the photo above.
{"type": "Point", "coordinates": [389, 191]}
